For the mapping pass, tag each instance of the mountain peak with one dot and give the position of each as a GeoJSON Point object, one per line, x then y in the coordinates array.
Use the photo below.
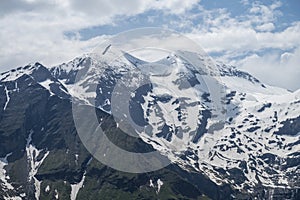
{"type": "Point", "coordinates": [14, 74]}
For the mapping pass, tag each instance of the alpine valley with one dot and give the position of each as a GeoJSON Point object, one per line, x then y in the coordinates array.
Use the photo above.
{"type": "Point", "coordinates": [254, 155]}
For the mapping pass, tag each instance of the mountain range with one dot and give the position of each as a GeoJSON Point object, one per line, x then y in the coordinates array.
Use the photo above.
{"type": "Point", "coordinates": [253, 154]}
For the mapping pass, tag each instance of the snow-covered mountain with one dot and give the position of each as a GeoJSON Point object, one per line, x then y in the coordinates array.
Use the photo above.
{"type": "Point", "coordinates": [233, 129]}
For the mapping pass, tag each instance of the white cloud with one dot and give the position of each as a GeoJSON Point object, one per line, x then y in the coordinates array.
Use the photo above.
{"type": "Point", "coordinates": [253, 33]}
{"type": "Point", "coordinates": [275, 69]}
{"type": "Point", "coordinates": [263, 13]}
{"type": "Point", "coordinates": [33, 30]}
{"type": "Point", "coordinates": [245, 2]}
{"type": "Point", "coordinates": [243, 39]}
{"type": "Point", "coordinates": [270, 67]}
{"type": "Point", "coordinates": [266, 27]}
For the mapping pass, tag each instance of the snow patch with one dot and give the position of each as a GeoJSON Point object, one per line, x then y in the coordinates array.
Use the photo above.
{"type": "Point", "coordinates": [46, 84]}
{"type": "Point", "coordinates": [47, 189]}
{"type": "Point", "coordinates": [5, 185]}
{"type": "Point", "coordinates": [76, 187]}
{"type": "Point", "coordinates": [151, 183]}
{"type": "Point", "coordinates": [56, 194]}
{"type": "Point", "coordinates": [76, 159]}
{"type": "Point", "coordinates": [156, 186]}
{"type": "Point", "coordinates": [33, 164]}
{"type": "Point", "coordinates": [159, 184]}
{"type": "Point", "coordinates": [7, 97]}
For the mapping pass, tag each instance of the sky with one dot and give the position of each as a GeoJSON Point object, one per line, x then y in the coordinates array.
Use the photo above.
{"type": "Point", "coordinates": [260, 37]}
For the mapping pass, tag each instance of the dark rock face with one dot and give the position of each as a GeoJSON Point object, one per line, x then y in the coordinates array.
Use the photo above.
{"type": "Point", "coordinates": [290, 127]}
{"type": "Point", "coordinates": [232, 71]}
